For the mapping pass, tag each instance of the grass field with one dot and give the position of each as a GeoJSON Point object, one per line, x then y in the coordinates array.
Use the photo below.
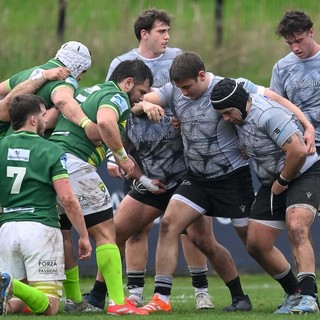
{"type": "Point", "coordinates": [265, 295]}
{"type": "Point", "coordinates": [249, 49]}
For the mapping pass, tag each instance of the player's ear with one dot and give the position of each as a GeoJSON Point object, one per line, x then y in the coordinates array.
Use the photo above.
{"type": "Point", "coordinates": [311, 32]}
{"type": "Point", "coordinates": [33, 120]}
{"type": "Point", "coordinates": [144, 34]}
{"type": "Point", "coordinates": [129, 83]}
{"type": "Point", "coordinates": [202, 75]}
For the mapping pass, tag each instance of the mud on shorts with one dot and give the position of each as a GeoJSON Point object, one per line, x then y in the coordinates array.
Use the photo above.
{"type": "Point", "coordinates": [33, 251]}
{"type": "Point", "coordinates": [91, 192]}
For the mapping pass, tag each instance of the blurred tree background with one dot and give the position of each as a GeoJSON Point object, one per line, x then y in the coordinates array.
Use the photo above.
{"type": "Point", "coordinates": [31, 32]}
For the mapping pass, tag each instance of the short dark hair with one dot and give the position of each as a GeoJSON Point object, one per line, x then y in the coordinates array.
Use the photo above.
{"type": "Point", "coordinates": [135, 69]}
{"type": "Point", "coordinates": [293, 21]}
{"type": "Point", "coordinates": [186, 65]}
{"type": "Point", "coordinates": [147, 18]}
{"type": "Point", "coordinates": [22, 106]}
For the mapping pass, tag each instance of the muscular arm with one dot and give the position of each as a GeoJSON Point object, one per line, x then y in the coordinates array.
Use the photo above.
{"type": "Point", "coordinates": [52, 116]}
{"type": "Point", "coordinates": [107, 120]}
{"type": "Point", "coordinates": [309, 134]}
{"type": "Point", "coordinates": [28, 86]}
{"type": "Point", "coordinates": [296, 154]}
{"type": "Point", "coordinates": [73, 211]}
{"type": "Point", "coordinates": [62, 97]}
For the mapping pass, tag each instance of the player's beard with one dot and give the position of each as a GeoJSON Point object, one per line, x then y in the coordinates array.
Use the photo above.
{"type": "Point", "coordinates": [41, 129]}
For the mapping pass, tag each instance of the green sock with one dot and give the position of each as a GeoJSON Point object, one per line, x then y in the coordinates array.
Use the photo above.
{"type": "Point", "coordinates": [36, 300]}
{"type": "Point", "coordinates": [109, 264]}
{"type": "Point", "coordinates": [71, 285]}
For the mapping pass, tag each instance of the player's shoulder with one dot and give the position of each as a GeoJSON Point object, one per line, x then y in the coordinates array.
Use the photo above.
{"type": "Point", "coordinates": [130, 55]}
{"type": "Point", "coordinates": [172, 52]}
{"type": "Point", "coordinates": [50, 145]}
{"type": "Point", "coordinates": [287, 61]}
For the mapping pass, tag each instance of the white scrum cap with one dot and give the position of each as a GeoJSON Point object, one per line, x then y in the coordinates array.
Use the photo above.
{"type": "Point", "coordinates": [75, 56]}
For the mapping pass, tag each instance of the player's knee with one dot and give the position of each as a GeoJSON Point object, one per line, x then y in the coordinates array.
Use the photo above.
{"type": "Point", "coordinates": [53, 290]}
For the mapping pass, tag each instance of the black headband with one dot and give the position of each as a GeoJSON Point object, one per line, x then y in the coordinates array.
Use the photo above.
{"type": "Point", "coordinates": [227, 93]}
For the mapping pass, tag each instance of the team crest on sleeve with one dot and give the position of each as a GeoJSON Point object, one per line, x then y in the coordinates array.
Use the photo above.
{"type": "Point", "coordinates": [36, 74]}
{"type": "Point", "coordinates": [64, 161]}
{"type": "Point", "coordinates": [120, 102]}
{"type": "Point", "coordinates": [72, 81]}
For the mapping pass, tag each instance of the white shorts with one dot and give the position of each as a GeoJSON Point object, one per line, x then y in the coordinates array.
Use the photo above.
{"type": "Point", "coordinates": [32, 251]}
{"type": "Point", "coordinates": [88, 186]}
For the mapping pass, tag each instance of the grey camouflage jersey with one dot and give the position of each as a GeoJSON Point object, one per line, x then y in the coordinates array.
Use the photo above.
{"type": "Point", "coordinates": [266, 128]}
{"type": "Point", "coordinates": [299, 81]}
{"type": "Point", "coordinates": [159, 66]}
{"type": "Point", "coordinates": [160, 148]}
{"type": "Point", "coordinates": [211, 145]}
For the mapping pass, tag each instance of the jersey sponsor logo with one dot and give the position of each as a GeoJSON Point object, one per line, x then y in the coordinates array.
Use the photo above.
{"type": "Point", "coordinates": [205, 104]}
{"type": "Point", "coordinates": [159, 82]}
{"type": "Point", "coordinates": [83, 202]}
{"type": "Point", "coordinates": [64, 161]}
{"type": "Point", "coordinates": [120, 102]}
{"type": "Point", "coordinates": [18, 155]}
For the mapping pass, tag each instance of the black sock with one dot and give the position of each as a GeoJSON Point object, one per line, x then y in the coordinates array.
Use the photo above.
{"type": "Point", "coordinates": [99, 290]}
{"type": "Point", "coordinates": [235, 287]}
{"type": "Point", "coordinates": [135, 279]}
{"type": "Point", "coordinates": [289, 283]}
{"type": "Point", "coordinates": [307, 286]}
{"type": "Point", "coordinates": [199, 279]}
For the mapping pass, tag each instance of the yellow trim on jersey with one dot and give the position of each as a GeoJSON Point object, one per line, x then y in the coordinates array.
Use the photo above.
{"type": "Point", "coordinates": [60, 176]}
{"type": "Point", "coordinates": [65, 84]}
{"type": "Point", "coordinates": [8, 87]}
{"type": "Point", "coordinates": [102, 154]}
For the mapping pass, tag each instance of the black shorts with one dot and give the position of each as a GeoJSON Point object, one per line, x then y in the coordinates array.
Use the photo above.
{"type": "Point", "coordinates": [159, 201]}
{"type": "Point", "coordinates": [303, 190]}
{"type": "Point", "coordinates": [90, 219]}
{"type": "Point", "coordinates": [127, 186]}
{"type": "Point", "coordinates": [229, 196]}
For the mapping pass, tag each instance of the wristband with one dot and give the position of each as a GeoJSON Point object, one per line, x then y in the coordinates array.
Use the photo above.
{"type": "Point", "coordinates": [145, 181]}
{"type": "Point", "coordinates": [121, 154]}
{"type": "Point", "coordinates": [84, 122]}
{"type": "Point", "coordinates": [283, 181]}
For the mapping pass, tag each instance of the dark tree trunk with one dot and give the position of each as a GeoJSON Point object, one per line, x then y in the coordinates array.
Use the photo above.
{"type": "Point", "coordinates": [219, 23]}
{"type": "Point", "coordinates": [61, 19]}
